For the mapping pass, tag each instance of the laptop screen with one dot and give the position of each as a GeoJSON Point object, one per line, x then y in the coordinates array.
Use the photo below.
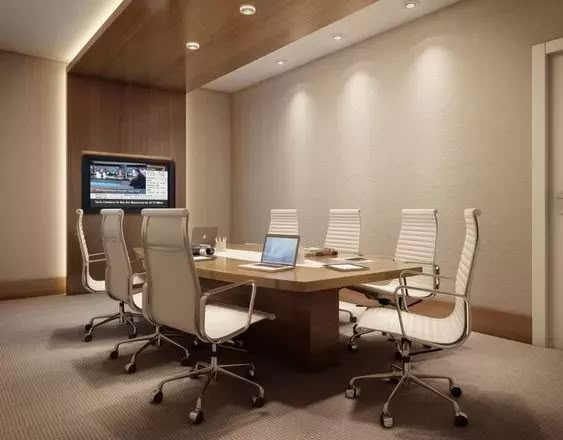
{"type": "Point", "coordinates": [280, 250]}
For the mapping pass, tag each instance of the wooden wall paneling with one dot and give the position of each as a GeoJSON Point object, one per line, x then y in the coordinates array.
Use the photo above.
{"type": "Point", "coordinates": [113, 117]}
{"type": "Point", "coordinates": [146, 43]}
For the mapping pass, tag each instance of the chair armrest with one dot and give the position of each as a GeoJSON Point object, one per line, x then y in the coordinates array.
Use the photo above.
{"type": "Point", "coordinates": [405, 273]}
{"type": "Point", "coordinates": [210, 293]}
{"type": "Point", "coordinates": [421, 289]}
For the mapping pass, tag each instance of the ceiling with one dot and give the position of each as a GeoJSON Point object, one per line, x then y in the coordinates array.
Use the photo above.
{"type": "Point", "coordinates": [367, 22]}
{"type": "Point", "coordinates": [146, 43]}
{"type": "Point", "coordinates": [54, 29]}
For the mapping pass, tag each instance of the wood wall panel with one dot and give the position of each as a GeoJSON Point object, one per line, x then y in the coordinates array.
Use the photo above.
{"type": "Point", "coordinates": [146, 42]}
{"type": "Point", "coordinates": [113, 117]}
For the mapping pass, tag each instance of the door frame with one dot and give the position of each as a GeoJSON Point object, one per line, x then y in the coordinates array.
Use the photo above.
{"type": "Point", "coordinates": [540, 203]}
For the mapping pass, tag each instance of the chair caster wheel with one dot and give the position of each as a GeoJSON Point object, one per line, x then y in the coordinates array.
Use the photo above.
{"type": "Point", "coordinates": [196, 417]}
{"type": "Point", "coordinates": [257, 402]}
{"type": "Point", "coordinates": [386, 420]}
{"type": "Point", "coordinates": [251, 374]}
{"type": "Point", "coordinates": [461, 419]}
{"type": "Point", "coordinates": [157, 396]}
{"type": "Point", "coordinates": [238, 343]}
{"type": "Point", "coordinates": [394, 380]}
{"type": "Point", "coordinates": [87, 327]}
{"type": "Point", "coordinates": [455, 391]}
{"type": "Point", "coordinates": [184, 362]}
{"type": "Point", "coordinates": [352, 392]}
{"type": "Point", "coordinates": [114, 354]}
{"type": "Point", "coordinates": [130, 368]}
{"type": "Point", "coordinates": [87, 338]}
{"type": "Point", "coordinates": [195, 345]}
{"type": "Point", "coordinates": [353, 347]}
{"type": "Point", "coordinates": [132, 335]}
{"type": "Point", "coordinates": [353, 319]}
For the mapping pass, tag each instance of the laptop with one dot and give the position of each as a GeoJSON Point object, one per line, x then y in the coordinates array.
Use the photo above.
{"type": "Point", "coordinates": [204, 235]}
{"type": "Point", "coordinates": [280, 253]}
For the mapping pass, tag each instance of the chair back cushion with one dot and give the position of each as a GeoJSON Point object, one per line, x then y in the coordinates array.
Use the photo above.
{"type": "Point", "coordinates": [172, 292]}
{"type": "Point", "coordinates": [418, 235]}
{"type": "Point", "coordinates": [118, 265]}
{"type": "Point", "coordinates": [464, 277]}
{"type": "Point", "coordinates": [81, 236]}
{"type": "Point", "coordinates": [343, 234]}
{"type": "Point", "coordinates": [284, 221]}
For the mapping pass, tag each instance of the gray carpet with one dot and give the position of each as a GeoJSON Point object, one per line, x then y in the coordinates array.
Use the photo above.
{"type": "Point", "coordinates": [53, 386]}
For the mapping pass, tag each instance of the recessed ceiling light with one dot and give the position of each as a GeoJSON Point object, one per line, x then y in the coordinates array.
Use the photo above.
{"type": "Point", "coordinates": [410, 4]}
{"type": "Point", "coordinates": [247, 9]}
{"type": "Point", "coordinates": [337, 37]}
{"type": "Point", "coordinates": [281, 62]}
{"type": "Point", "coordinates": [192, 45]}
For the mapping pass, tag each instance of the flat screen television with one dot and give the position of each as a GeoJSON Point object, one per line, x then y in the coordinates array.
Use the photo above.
{"type": "Point", "coordinates": [128, 182]}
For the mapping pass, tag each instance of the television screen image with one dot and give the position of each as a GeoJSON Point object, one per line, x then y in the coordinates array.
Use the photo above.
{"type": "Point", "coordinates": [126, 183]}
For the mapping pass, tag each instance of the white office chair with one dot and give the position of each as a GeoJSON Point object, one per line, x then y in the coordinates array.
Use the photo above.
{"type": "Point", "coordinates": [416, 244]}
{"type": "Point", "coordinates": [284, 221]}
{"type": "Point", "coordinates": [124, 285]}
{"type": "Point", "coordinates": [95, 286]}
{"type": "Point", "coordinates": [173, 297]}
{"type": "Point", "coordinates": [343, 234]}
{"type": "Point", "coordinates": [406, 327]}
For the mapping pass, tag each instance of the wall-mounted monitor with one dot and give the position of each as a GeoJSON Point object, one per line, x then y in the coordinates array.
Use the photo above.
{"type": "Point", "coordinates": [128, 182]}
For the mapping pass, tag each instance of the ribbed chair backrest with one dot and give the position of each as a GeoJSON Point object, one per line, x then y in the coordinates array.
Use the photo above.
{"type": "Point", "coordinates": [284, 221]}
{"type": "Point", "coordinates": [118, 265]}
{"type": "Point", "coordinates": [172, 292]}
{"type": "Point", "coordinates": [460, 315]}
{"type": "Point", "coordinates": [88, 282]}
{"type": "Point", "coordinates": [418, 235]}
{"type": "Point", "coordinates": [343, 234]}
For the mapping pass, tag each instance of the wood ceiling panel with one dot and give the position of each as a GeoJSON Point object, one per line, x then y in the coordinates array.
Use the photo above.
{"type": "Point", "coordinates": [145, 44]}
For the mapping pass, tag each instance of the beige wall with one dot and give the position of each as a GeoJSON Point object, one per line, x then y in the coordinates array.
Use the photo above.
{"type": "Point", "coordinates": [33, 168]}
{"type": "Point", "coordinates": [436, 113]}
{"type": "Point", "coordinates": [208, 159]}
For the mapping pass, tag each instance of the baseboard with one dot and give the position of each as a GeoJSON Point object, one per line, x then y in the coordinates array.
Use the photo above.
{"type": "Point", "coordinates": [491, 322]}
{"type": "Point", "coordinates": [30, 288]}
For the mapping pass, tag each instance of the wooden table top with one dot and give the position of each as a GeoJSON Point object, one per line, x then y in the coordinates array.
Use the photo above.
{"type": "Point", "coordinates": [300, 279]}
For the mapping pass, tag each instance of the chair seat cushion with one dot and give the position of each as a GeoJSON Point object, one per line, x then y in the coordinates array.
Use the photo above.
{"type": "Point", "coordinates": [223, 319]}
{"type": "Point", "coordinates": [433, 330]}
{"type": "Point", "coordinates": [388, 288]}
{"type": "Point", "coordinates": [138, 300]}
{"type": "Point", "coordinates": [96, 285]}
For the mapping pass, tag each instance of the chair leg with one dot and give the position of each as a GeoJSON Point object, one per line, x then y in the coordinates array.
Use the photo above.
{"type": "Point", "coordinates": [432, 376]}
{"type": "Point", "coordinates": [90, 327]}
{"type": "Point", "coordinates": [222, 370]}
{"type": "Point", "coordinates": [406, 376]}
{"type": "Point", "coordinates": [212, 370]}
{"type": "Point", "coordinates": [352, 342]}
{"type": "Point", "coordinates": [180, 346]}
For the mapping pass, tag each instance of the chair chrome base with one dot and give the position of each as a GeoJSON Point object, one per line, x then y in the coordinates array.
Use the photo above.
{"type": "Point", "coordinates": [123, 316]}
{"type": "Point", "coordinates": [155, 338]}
{"type": "Point", "coordinates": [212, 371]}
{"type": "Point", "coordinates": [404, 376]}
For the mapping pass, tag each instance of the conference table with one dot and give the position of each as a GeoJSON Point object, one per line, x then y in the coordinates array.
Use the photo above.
{"type": "Point", "coordinates": [305, 300]}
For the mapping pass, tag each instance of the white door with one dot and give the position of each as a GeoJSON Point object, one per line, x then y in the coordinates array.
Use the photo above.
{"type": "Point", "coordinates": [555, 201]}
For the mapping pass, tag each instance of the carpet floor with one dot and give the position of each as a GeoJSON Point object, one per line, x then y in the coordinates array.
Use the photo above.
{"type": "Point", "coordinates": [54, 386]}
